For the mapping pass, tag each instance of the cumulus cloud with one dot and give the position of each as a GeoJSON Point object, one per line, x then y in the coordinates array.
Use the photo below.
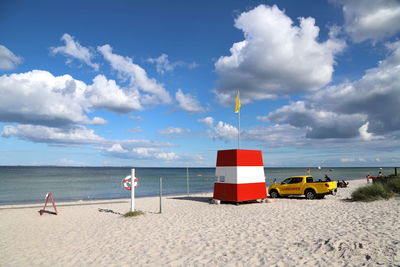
{"type": "Point", "coordinates": [152, 91]}
{"type": "Point", "coordinates": [209, 121]}
{"type": "Point", "coordinates": [276, 57]}
{"type": "Point", "coordinates": [365, 135]}
{"type": "Point", "coordinates": [106, 94]}
{"type": "Point", "coordinates": [367, 108]}
{"type": "Point", "coordinates": [371, 19]}
{"type": "Point", "coordinates": [221, 131]}
{"type": "Point", "coordinates": [188, 103]}
{"type": "Point", "coordinates": [174, 131]}
{"type": "Point", "coordinates": [116, 148]}
{"type": "Point", "coordinates": [376, 95]}
{"type": "Point", "coordinates": [163, 64]}
{"type": "Point", "coordinates": [8, 60]}
{"type": "Point", "coordinates": [76, 135]}
{"type": "Point", "coordinates": [38, 97]}
{"type": "Point", "coordinates": [74, 49]}
{"type": "Point", "coordinates": [318, 123]}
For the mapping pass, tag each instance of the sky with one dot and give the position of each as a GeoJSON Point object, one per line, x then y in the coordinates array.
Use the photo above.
{"type": "Point", "coordinates": [153, 83]}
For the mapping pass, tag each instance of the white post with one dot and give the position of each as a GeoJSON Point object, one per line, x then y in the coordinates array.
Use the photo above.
{"type": "Point", "coordinates": [187, 181]}
{"type": "Point", "coordinates": [132, 190]}
{"type": "Point", "coordinates": [161, 194]}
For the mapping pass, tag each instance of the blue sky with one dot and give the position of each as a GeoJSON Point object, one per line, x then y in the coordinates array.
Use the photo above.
{"type": "Point", "coordinates": [153, 83]}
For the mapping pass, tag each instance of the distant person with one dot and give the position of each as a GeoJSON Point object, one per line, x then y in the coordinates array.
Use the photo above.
{"type": "Point", "coordinates": [342, 184]}
{"type": "Point", "coordinates": [380, 174]}
{"type": "Point", "coordinates": [327, 178]}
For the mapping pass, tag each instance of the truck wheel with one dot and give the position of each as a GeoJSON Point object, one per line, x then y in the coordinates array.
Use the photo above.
{"type": "Point", "coordinates": [310, 194]}
{"type": "Point", "coordinates": [273, 194]}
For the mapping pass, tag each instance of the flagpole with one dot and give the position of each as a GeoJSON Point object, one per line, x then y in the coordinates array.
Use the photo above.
{"type": "Point", "coordinates": [237, 110]}
{"type": "Point", "coordinates": [239, 129]}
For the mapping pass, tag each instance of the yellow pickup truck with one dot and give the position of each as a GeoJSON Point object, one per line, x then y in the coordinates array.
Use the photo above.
{"type": "Point", "coordinates": [302, 185]}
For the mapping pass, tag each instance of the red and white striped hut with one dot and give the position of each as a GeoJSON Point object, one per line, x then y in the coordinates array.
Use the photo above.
{"type": "Point", "coordinates": [240, 175]}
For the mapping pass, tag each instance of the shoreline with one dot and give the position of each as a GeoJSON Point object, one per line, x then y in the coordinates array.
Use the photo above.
{"type": "Point", "coordinates": [190, 231]}
{"type": "Point", "coordinates": [3, 205]}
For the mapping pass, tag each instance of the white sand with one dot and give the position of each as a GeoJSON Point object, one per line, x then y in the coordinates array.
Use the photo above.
{"type": "Point", "coordinates": [192, 232]}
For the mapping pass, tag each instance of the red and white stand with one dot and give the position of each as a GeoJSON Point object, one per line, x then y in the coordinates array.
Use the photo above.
{"type": "Point", "coordinates": [46, 199]}
{"type": "Point", "coordinates": [240, 176]}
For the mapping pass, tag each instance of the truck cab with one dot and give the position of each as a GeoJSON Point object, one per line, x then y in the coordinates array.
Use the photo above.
{"type": "Point", "coordinates": [302, 185]}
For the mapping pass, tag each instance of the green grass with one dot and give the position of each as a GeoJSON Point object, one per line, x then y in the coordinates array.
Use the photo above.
{"type": "Point", "coordinates": [372, 192]}
{"type": "Point", "coordinates": [133, 213]}
{"type": "Point", "coordinates": [394, 185]}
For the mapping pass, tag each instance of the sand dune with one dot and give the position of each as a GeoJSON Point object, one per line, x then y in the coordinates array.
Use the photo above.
{"type": "Point", "coordinates": [192, 232]}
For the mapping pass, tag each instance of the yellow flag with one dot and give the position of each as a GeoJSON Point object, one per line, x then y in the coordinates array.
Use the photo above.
{"type": "Point", "coordinates": [238, 105]}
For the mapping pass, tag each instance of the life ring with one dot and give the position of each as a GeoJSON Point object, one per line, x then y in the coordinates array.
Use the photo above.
{"type": "Point", "coordinates": [128, 184]}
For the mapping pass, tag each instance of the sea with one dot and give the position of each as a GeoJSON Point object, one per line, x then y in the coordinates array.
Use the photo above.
{"type": "Point", "coordinates": [23, 184]}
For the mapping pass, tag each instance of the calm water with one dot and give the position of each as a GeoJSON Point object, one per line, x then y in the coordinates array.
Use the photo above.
{"type": "Point", "coordinates": [30, 184]}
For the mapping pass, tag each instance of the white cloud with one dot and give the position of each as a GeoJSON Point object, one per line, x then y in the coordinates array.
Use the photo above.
{"type": "Point", "coordinates": [209, 121]}
{"type": "Point", "coordinates": [174, 131]}
{"type": "Point", "coordinates": [153, 92]}
{"type": "Point", "coordinates": [38, 97]}
{"type": "Point", "coordinates": [376, 95]}
{"type": "Point", "coordinates": [166, 156]}
{"type": "Point", "coordinates": [77, 135]}
{"type": "Point", "coordinates": [222, 130]}
{"type": "Point", "coordinates": [73, 49]}
{"type": "Point", "coordinates": [318, 123]}
{"type": "Point", "coordinates": [118, 150]}
{"type": "Point", "coordinates": [365, 135]}
{"type": "Point", "coordinates": [371, 19]}
{"type": "Point", "coordinates": [347, 160]}
{"type": "Point", "coordinates": [106, 94]}
{"type": "Point", "coordinates": [276, 136]}
{"type": "Point", "coordinates": [136, 118]}
{"type": "Point", "coordinates": [8, 60]}
{"type": "Point", "coordinates": [163, 64]}
{"type": "Point", "coordinates": [188, 102]}
{"type": "Point", "coordinates": [68, 162]}
{"type": "Point", "coordinates": [80, 135]}
{"type": "Point", "coordinates": [367, 108]}
{"type": "Point", "coordinates": [276, 58]}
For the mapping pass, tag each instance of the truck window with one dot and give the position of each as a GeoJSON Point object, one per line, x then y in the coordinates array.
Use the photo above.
{"type": "Point", "coordinates": [296, 180]}
{"type": "Point", "coordinates": [309, 180]}
{"type": "Point", "coordinates": [287, 181]}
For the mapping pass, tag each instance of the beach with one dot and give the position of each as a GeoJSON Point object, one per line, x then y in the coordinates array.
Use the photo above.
{"type": "Point", "coordinates": [192, 232]}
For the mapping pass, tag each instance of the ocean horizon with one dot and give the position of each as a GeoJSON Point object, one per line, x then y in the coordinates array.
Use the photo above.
{"type": "Point", "coordinates": [29, 184]}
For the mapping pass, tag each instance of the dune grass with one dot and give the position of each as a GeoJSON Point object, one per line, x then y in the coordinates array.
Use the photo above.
{"type": "Point", "coordinates": [133, 213]}
{"type": "Point", "coordinates": [384, 188]}
{"type": "Point", "coordinates": [394, 185]}
{"type": "Point", "coordinates": [371, 192]}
